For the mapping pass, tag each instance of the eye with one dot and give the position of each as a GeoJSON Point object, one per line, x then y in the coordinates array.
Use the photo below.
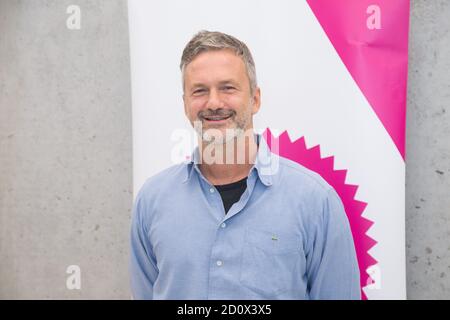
{"type": "Point", "coordinates": [198, 91]}
{"type": "Point", "coordinates": [228, 88]}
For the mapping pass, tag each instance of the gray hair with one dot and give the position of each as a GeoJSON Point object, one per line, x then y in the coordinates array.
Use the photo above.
{"type": "Point", "coordinates": [212, 40]}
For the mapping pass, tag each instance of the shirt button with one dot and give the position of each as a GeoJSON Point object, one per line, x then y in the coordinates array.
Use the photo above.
{"type": "Point", "coordinates": [219, 263]}
{"type": "Point", "coordinates": [223, 225]}
{"type": "Point", "coordinates": [211, 190]}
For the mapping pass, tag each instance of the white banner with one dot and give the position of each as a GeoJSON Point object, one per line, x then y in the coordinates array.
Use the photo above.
{"type": "Point", "coordinates": [333, 87]}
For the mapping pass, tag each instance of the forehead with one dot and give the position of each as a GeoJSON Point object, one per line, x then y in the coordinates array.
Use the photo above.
{"type": "Point", "coordinates": [215, 65]}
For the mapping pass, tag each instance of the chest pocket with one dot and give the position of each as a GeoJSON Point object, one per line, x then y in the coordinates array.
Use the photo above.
{"type": "Point", "coordinates": [269, 261]}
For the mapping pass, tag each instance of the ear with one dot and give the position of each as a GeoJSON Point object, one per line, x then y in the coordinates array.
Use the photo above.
{"type": "Point", "coordinates": [184, 103]}
{"type": "Point", "coordinates": [256, 100]}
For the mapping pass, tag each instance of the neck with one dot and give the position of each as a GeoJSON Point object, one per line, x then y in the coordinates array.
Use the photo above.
{"type": "Point", "coordinates": [228, 162]}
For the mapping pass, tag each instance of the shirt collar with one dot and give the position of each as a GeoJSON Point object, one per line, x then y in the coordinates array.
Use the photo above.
{"type": "Point", "coordinates": [266, 163]}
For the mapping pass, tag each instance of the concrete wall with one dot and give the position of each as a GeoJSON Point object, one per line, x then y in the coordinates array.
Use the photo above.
{"type": "Point", "coordinates": [428, 152]}
{"type": "Point", "coordinates": [65, 150]}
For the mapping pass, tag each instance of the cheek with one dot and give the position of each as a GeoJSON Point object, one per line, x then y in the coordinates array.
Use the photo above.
{"type": "Point", "coordinates": [193, 107]}
{"type": "Point", "coordinates": [242, 105]}
{"type": "Point", "coordinates": [235, 103]}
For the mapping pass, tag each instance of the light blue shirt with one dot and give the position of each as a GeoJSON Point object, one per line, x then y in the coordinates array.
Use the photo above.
{"type": "Point", "coordinates": [288, 236]}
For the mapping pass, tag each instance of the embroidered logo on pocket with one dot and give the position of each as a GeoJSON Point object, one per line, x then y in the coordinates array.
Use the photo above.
{"type": "Point", "coordinates": [269, 262]}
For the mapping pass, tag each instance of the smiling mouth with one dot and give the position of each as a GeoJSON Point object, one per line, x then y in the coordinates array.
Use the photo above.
{"type": "Point", "coordinates": [217, 118]}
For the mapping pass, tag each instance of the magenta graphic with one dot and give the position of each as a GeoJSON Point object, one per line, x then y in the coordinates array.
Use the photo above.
{"type": "Point", "coordinates": [371, 38]}
{"type": "Point", "coordinates": [311, 159]}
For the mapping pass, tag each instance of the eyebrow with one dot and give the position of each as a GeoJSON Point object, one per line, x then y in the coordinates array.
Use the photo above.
{"type": "Point", "coordinates": [196, 85]}
{"type": "Point", "coordinates": [230, 81]}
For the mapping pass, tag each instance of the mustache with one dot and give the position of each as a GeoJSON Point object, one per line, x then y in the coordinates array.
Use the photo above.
{"type": "Point", "coordinates": [216, 113]}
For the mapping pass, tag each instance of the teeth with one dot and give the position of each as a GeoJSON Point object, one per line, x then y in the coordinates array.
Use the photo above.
{"type": "Point", "coordinates": [216, 118]}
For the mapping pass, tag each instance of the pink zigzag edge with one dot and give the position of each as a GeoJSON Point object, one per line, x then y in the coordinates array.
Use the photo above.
{"type": "Point", "coordinates": [311, 159]}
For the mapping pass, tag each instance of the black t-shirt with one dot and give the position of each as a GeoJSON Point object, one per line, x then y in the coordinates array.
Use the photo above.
{"type": "Point", "coordinates": [231, 192]}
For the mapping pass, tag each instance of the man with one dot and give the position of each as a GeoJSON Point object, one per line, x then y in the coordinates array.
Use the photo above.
{"type": "Point", "coordinates": [236, 221]}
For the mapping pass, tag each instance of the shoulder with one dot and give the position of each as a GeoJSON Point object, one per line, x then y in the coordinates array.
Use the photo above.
{"type": "Point", "coordinates": [164, 180]}
{"type": "Point", "coordinates": [156, 189]}
{"type": "Point", "coordinates": [318, 200]}
{"type": "Point", "coordinates": [303, 180]}
{"type": "Point", "coordinates": [307, 189]}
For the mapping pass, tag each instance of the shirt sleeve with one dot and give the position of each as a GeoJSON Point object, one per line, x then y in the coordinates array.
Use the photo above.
{"type": "Point", "coordinates": [143, 268]}
{"type": "Point", "coordinates": [332, 266]}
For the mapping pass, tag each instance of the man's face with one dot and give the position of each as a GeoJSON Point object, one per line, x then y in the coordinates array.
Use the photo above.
{"type": "Point", "coordinates": [217, 94]}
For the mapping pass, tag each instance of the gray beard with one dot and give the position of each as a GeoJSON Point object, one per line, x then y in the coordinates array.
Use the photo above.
{"type": "Point", "coordinates": [229, 135]}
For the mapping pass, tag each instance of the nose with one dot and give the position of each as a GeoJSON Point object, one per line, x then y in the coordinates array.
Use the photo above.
{"type": "Point", "coordinates": [214, 100]}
